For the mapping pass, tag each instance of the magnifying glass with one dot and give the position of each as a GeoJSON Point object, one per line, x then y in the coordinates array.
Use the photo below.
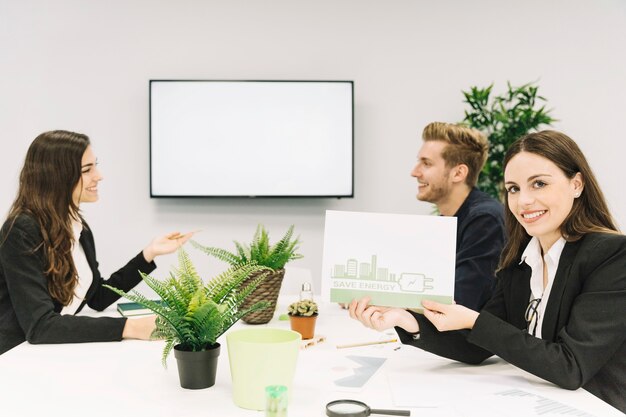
{"type": "Point", "coordinates": [352, 408]}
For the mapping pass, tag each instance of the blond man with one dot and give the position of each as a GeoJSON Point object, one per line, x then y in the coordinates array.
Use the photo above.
{"type": "Point", "coordinates": [447, 169]}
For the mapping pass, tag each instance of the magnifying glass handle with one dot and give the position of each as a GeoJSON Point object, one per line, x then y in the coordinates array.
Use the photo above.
{"type": "Point", "coordinates": [391, 412]}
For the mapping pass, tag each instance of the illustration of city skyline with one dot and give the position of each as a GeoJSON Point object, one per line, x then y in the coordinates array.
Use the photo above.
{"type": "Point", "coordinates": [414, 282]}
{"type": "Point", "coordinates": [352, 269]}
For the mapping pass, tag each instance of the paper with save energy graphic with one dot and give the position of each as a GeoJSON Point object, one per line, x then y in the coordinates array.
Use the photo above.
{"type": "Point", "coordinates": [396, 259]}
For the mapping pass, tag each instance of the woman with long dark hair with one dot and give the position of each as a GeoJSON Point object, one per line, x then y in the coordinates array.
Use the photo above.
{"type": "Point", "coordinates": [48, 267]}
{"type": "Point", "coordinates": [559, 308]}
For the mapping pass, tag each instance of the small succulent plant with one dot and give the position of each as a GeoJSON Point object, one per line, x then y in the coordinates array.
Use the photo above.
{"type": "Point", "coordinates": [304, 308]}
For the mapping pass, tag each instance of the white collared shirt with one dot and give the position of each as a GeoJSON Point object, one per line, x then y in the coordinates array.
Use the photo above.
{"type": "Point", "coordinates": [85, 276]}
{"type": "Point", "coordinates": [532, 257]}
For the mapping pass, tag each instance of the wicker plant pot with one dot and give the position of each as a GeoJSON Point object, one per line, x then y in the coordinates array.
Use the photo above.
{"type": "Point", "coordinates": [267, 290]}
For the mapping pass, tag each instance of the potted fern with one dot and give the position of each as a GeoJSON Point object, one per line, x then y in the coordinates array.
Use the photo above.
{"type": "Point", "coordinates": [262, 253]}
{"type": "Point", "coordinates": [193, 315]}
{"type": "Point", "coordinates": [302, 317]}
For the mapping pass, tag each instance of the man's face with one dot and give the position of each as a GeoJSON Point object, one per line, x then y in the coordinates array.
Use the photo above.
{"type": "Point", "coordinates": [433, 177]}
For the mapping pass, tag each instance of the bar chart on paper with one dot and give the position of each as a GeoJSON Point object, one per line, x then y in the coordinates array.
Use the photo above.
{"type": "Point", "coordinates": [471, 395]}
{"type": "Point", "coordinates": [351, 373]}
{"type": "Point", "coordinates": [533, 404]}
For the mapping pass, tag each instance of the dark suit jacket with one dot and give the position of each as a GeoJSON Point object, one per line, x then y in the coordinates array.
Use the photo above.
{"type": "Point", "coordinates": [479, 241]}
{"type": "Point", "coordinates": [584, 328]}
{"type": "Point", "coordinates": [28, 312]}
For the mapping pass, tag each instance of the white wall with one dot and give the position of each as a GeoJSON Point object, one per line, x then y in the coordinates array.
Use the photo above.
{"type": "Point", "coordinates": [85, 65]}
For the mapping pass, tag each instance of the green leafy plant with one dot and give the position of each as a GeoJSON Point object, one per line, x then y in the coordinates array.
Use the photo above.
{"type": "Point", "coordinates": [259, 251]}
{"type": "Point", "coordinates": [503, 119]}
{"type": "Point", "coordinates": [304, 308]}
{"type": "Point", "coordinates": [193, 314]}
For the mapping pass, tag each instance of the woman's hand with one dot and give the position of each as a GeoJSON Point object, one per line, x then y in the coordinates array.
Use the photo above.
{"type": "Point", "coordinates": [449, 316]}
{"type": "Point", "coordinates": [382, 318]}
{"type": "Point", "coordinates": [139, 328]}
{"type": "Point", "coordinates": [163, 245]}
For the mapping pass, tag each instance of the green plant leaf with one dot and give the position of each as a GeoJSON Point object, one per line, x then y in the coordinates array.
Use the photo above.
{"type": "Point", "coordinates": [503, 119]}
{"type": "Point", "coordinates": [219, 253]}
{"type": "Point", "coordinates": [194, 315]}
{"type": "Point", "coordinates": [260, 251]}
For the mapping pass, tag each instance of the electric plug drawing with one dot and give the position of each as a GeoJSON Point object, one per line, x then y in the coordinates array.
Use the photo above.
{"type": "Point", "coordinates": [411, 282]}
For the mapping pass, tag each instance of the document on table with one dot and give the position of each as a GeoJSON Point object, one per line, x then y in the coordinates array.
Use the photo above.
{"type": "Point", "coordinates": [351, 373]}
{"type": "Point", "coordinates": [476, 395]}
{"type": "Point", "coordinates": [395, 259]}
{"type": "Point", "coordinates": [434, 390]}
{"type": "Point", "coordinates": [519, 403]}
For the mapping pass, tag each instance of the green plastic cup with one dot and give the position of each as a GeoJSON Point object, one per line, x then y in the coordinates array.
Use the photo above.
{"type": "Point", "coordinates": [258, 358]}
{"type": "Point", "coordinates": [276, 401]}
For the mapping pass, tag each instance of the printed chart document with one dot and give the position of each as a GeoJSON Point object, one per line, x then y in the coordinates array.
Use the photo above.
{"type": "Point", "coordinates": [352, 372]}
{"type": "Point", "coordinates": [476, 395]}
{"type": "Point", "coordinates": [396, 259]}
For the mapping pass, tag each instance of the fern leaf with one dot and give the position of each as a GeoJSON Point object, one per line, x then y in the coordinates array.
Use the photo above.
{"type": "Point", "coordinates": [162, 311]}
{"type": "Point", "coordinates": [244, 253]}
{"type": "Point", "coordinates": [259, 248]}
{"type": "Point", "coordinates": [140, 299]}
{"type": "Point", "coordinates": [185, 264]}
{"type": "Point", "coordinates": [229, 280]}
{"type": "Point", "coordinates": [187, 272]}
{"type": "Point", "coordinates": [193, 314]}
{"type": "Point", "coordinates": [219, 253]}
{"type": "Point", "coordinates": [169, 345]}
{"type": "Point", "coordinates": [174, 299]}
{"type": "Point", "coordinates": [237, 316]}
{"type": "Point", "coordinates": [283, 243]}
{"type": "Point", "coordinates": [207, 324]}
{"type": "Point", "coordinates": [243, 293]}
{"type": "Point", "coordinates": [284, 250]}
{"type": "Point", "coordinates": [180, 293]}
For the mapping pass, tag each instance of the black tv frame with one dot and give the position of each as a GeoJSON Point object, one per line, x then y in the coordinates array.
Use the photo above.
{"type": "Point", "coordinates": [351, 195]}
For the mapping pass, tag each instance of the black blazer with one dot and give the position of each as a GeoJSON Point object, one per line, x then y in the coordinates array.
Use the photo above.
{"type": "Point", "coordinates": [480, 237]}
{"type": "Point", "coordinates": [584, 328]}
{"type": "Point", "coordinates": [28, 312]}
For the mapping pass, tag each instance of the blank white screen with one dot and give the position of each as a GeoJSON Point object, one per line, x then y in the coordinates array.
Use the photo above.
{"type": "Point", "coordinates": [251, 138]}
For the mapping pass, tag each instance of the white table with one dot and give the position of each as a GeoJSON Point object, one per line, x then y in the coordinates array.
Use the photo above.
{"type": "Point", "coordinates": [127, 379]}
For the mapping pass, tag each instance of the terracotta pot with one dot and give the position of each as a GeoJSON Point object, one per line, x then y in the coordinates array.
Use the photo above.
{"type": "Point", "coordinates": [305, 325]}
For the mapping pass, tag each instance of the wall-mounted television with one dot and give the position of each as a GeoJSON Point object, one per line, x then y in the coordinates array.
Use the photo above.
{"type": "Point", "coordinates": [226, 138]}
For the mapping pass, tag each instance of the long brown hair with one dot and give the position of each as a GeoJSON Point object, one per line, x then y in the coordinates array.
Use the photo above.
{"type": "Point", "coordinates": [590, 213]}
{"type": "Point", "coordinates": [52, 169]}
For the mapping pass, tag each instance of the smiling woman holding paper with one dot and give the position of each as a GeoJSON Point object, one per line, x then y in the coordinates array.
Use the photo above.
{"type": "Point", "coordinates": [48, 267]}
{"type": "Point", "coordinates": [558, 308]}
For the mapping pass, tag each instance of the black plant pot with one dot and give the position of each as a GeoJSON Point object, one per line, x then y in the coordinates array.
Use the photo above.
{"type": "Point", "coordinates": [196, 370]}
